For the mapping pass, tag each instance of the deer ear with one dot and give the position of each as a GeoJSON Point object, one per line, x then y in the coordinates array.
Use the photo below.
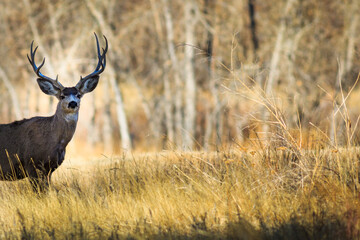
{"type": "Point", "coordinates": [48, 87]}
{"type": "Point", "coordinates": [88, 85]}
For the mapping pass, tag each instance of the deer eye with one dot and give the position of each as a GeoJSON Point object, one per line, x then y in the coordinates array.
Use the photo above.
{"type": "Point", "coordinates": [78, 96]}
{"type": "Point", "coordinates": [62, 97]}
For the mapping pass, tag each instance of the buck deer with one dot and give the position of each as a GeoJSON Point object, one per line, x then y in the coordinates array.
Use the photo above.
{"type": "Point", "coordinates": [35, 147]}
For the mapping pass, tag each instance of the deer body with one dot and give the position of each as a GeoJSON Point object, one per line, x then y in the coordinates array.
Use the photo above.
{"type": "Point", "coordinates": [43, 150]}
{"type": "Point", "coordinates": [35, 147]}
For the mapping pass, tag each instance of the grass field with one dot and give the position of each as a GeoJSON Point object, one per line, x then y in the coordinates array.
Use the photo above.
{"type": "Point", "coordinates": [234, 194]}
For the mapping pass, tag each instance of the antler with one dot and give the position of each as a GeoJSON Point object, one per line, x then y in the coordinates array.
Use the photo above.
{"type": "Point", "coordinates": [37, 69]}
{"type": "Point", "coordinates": [101, 62]}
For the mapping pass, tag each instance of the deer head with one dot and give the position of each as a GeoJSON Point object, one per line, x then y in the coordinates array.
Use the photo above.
{"type": "Point", "coordinates": [69, 97]}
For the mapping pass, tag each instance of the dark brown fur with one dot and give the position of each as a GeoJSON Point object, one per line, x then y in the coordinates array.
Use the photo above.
{"type": "Point", "coordinates": [33, 147]}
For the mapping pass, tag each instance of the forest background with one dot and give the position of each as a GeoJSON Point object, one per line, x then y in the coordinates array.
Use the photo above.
{"type": "Point", "coordinates": [193, 74]}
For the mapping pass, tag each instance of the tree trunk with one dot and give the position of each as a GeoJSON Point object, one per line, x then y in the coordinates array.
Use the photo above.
{"type": "Point", "coordinates": [189, 74]}
{"type": "Point", "coordinates": [178, 94]}
{"type": "Point", "coordinates": [169, 109]}
{"type": "Point", "coordinates": [120, 111]}
{"type": "Point", "coordinates": [351, 34]}
{"type": "Point", "coordinates": [254, 38]}
{"type": "Point", "coordinates": [106, 127]}
{"type": "Point", "coordinates": [168, 92]}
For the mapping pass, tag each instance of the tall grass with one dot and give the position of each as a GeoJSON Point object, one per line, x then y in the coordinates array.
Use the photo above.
{"type": "Point", "coordinates": [253, 194]}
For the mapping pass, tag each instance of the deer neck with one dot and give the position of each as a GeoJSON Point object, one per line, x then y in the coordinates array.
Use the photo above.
{"type": "Point", "coordinates": [65, 124]}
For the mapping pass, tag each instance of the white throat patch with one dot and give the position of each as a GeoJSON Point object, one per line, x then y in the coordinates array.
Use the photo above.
{"type": "Point", "coordinates": [71, 117]}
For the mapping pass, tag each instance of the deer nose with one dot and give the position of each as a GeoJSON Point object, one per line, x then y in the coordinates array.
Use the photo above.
{"type": "Point", "coordinates": [72, 104]}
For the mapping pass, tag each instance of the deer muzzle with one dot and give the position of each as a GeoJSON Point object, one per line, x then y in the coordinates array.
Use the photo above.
{"type": "Point", "coordinates": [72, 104]}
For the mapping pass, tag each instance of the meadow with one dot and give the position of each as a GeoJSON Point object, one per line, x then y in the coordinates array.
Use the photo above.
{"type": "Point", "coordinates": [236, 193]}
{"type": "Point", "coordinates": [231, 119]}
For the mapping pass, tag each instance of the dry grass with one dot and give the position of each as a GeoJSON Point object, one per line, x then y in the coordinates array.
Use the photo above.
{"type": "Point", "coordinates": [267, 194]}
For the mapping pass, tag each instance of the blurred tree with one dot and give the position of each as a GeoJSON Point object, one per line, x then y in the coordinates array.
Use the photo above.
{"type": "Point", "coordinates": [190, 19]}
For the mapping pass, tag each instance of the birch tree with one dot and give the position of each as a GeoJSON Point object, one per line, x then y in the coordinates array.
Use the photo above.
{"type": "Point", "coordinates": [189, 75]}
{"type": "Point", "coordinates": [178, 93]}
